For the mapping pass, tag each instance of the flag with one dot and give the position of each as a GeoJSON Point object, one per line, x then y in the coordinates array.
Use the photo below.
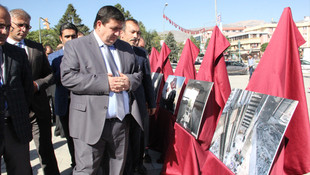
{"type": "Point", "coordinates": [279, 74]}
{"type": "Point", "coordinates": [153, 59]}
{"type": "Point", "coordinates": [186, 65]}
{"type": "Point", "coordinates": [163, 64]}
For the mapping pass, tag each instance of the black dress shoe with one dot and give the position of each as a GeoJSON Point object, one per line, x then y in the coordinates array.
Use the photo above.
{"type": "Point", "coordinates": [141, 170]}
{"type": "Point", "coordinates": [147, 158]}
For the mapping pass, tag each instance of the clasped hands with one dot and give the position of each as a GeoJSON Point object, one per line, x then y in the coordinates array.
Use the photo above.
{"type": "Point", "coordinates": [118, 84]}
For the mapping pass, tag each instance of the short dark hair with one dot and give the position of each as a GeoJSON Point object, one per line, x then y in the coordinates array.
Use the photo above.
{"type": "Point", "coordinates": [108, 12]}
{"type": "Point", "coordinates": [67, 25]}
{"type": "Point", "coordinates": [132, 20]}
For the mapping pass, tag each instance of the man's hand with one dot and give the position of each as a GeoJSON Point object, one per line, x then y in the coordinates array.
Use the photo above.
{"type": "Point", "coordinates": [151, 111]}
{"type": "Point", "coordinates": [118, 84]}
{"type": "Point", "coordinates": [35, 86]}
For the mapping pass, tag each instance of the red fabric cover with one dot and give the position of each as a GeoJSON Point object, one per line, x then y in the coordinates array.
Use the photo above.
{"type": "Point", "coordinates": [279, 74]}
{"type": "Point", "coordinates": [153, 59]}
{"type": "Point", "coordinates": [186, 65]}
{"type": "Point", "coordinates": [190, 156]}
{"type": "Point", "coordinates": [163, 64]}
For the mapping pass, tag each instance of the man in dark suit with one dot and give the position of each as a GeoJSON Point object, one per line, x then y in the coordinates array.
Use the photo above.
{"type": "Point", "coordinates": [68, 32]}
{"type": "Point", "coordinates": [40, 114]}
{"type": "Point", "coordinates": [101, 72]}
{"type": "Point", "coordinates": [16, 91]}
{"type": "Point", "coordinates": [145, 97]}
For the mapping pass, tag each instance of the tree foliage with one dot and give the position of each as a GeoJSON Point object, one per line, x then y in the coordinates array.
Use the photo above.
{"type": "Point", "coordinates": [197, 43]}
{"type": "Point", "coordinates": [71, 16]}
{"type": "Point", "coordinates": [151, 38]}
{"type": "Point", "coordinates": [126, 13]}
{"type": "Point", "coordinates": [172, 44]}
{"type": "Point", "coordinates": [263, 47]}
{"type": "Point", "coordinates": [51, 36]}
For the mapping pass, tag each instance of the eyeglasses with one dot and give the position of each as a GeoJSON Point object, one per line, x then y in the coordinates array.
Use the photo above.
{"type": "Point", "coordinates": [6, 27]}
{"type": "Point", "coordinates": [27, 26]}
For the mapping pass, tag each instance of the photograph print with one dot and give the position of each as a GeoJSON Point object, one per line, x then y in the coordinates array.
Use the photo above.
{"type": "Point", "coordinates": [156, 82]}
{"type": "Point", "coordinates": [171, 92]}
{"type": "Point", "coordinates": [192, 105]}
{"type": "Point", "coordinates": [250, 130]}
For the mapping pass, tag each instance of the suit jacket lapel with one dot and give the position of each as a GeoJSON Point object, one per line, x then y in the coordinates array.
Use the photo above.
{"type": "Point", "coordinates": [94, 48]}
{"type": "Point", "coordinates": [28, 50]}
{"type": "Point", "coordinates": [7, 65]}
{"type": "Point", "coordinates": [121, 56]}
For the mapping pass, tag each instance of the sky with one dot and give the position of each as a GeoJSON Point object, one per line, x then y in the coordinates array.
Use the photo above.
{"type": "Point", "coordinates": [187, 14]}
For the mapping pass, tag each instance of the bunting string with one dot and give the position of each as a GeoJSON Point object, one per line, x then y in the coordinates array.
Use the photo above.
{"type": "Point", "coordinates": [193, 32]}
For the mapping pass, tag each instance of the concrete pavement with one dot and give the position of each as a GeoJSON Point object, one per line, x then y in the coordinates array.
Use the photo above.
{"type": "Point", "coordinates": [63, 157]}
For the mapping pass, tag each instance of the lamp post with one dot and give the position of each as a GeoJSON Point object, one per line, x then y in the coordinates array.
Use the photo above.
{"type": "Point", "coordinates": [166, 4]}
{"type": "Point", "coordinates": [46, 23]}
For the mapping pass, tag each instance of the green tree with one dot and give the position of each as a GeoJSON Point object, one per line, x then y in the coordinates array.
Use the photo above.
{"type": "Point", "coordinates": [47, 37]}
{"type": "Point", "coordinates": [263, 47]}
{"type": "Point", "coordinates": [197, 43]}
{"type": "Point", "coordinates": [151, 38]}
{"type": "Point", "coordinates": [207, 43]}
{"type": "Point", "coordinates": [172, 44]}
{"type": "Point", "coordinates": [71, 16]}
{"type": "Point", "coordinates": [126, 13]}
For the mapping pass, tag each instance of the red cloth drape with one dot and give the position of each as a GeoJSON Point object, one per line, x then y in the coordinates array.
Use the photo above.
{"type": "Point", "coordinates": [279, 74]}
{"type": "Point", "coordinates": [163, 64]}
{"type": "Point", "coordinates": [186, 64]}
{"type": "Point", "coordinates": [153, 59]}
{"type": "Point", "coordinates": [190, 156]}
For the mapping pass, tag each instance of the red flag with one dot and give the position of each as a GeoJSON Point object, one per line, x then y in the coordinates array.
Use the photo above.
{"type": "Point", "coordinates": [163, 64]}
{"type": "Point", "coordinates": [153, 59]}
{"type": "Point", "coordinates": [279, 74]}
{"type": "Point", "coordinates": [186, 64]}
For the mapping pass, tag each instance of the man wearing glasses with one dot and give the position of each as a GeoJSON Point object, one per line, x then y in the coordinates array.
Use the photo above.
{"type": "Point", "coordinates": [40, 115]}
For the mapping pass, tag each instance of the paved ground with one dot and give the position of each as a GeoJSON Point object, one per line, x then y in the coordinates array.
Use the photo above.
{"type": "Point", "coordinates": [62, 154]}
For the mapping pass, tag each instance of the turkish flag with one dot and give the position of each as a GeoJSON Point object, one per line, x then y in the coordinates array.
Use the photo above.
{"type": "Point", "coordinates": [279, 74]}
{"type": "Point", "coordinates": [186, 64]}
{"type": "Point", "coordinates": [153, 59]}
{"type": "Point", "coordinates": [163, 64]}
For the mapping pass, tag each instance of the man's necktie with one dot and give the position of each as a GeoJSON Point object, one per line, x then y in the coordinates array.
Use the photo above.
{"type": "Point", "coordinates": [120, 112]}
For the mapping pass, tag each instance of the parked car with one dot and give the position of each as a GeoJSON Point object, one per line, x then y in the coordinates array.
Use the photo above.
{"type": "Point", "coordinates": [236, 68]}
{"type": "Point", "coordinates": [305, 66]}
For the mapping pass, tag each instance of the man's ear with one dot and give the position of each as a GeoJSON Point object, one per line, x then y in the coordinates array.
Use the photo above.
{"type": "Point", "coordinates": [60, 38]}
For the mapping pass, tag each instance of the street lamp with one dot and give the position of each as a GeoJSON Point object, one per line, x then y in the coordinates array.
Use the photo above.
{"type": "Point", "coordinates": [166, 4]}
{"type": "Point", "coordinates": [47, 26]}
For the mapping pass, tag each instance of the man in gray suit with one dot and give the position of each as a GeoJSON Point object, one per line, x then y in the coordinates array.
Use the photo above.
{"type": "Point", "coordinates": [101, 72]}
{"type": "Point", "coordinates": [40, 114]}
{"type": "Point", "coordinates": [16, 91]}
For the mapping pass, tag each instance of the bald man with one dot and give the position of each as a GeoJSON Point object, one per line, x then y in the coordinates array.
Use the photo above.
{"type": "Point", "coordinates": [16, 91]}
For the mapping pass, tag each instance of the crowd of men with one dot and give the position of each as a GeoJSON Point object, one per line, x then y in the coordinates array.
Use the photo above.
{"type": "Point", "coordinates": [103, 95]}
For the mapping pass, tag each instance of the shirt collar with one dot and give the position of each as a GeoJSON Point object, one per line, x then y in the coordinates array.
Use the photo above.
{"type": "Point", "coordinates": [13, 42]}
{"type": "Point", "coordinates": [100, 42]}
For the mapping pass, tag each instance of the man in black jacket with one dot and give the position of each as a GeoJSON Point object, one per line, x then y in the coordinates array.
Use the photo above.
{"type": "Point", "coordinates": [16, 91]}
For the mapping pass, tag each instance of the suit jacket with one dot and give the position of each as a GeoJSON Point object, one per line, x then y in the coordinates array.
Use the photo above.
{"type": "Point", "coordinates": [42, 75]}
{"type": "Point", "coordinates": [17, 89]}
{"type": "Point", "coordinates": [61, 93]}
{"type": "Point", "coordinates": [145, 93]}
{"type": "Point", "coordinates": [84, 73]}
